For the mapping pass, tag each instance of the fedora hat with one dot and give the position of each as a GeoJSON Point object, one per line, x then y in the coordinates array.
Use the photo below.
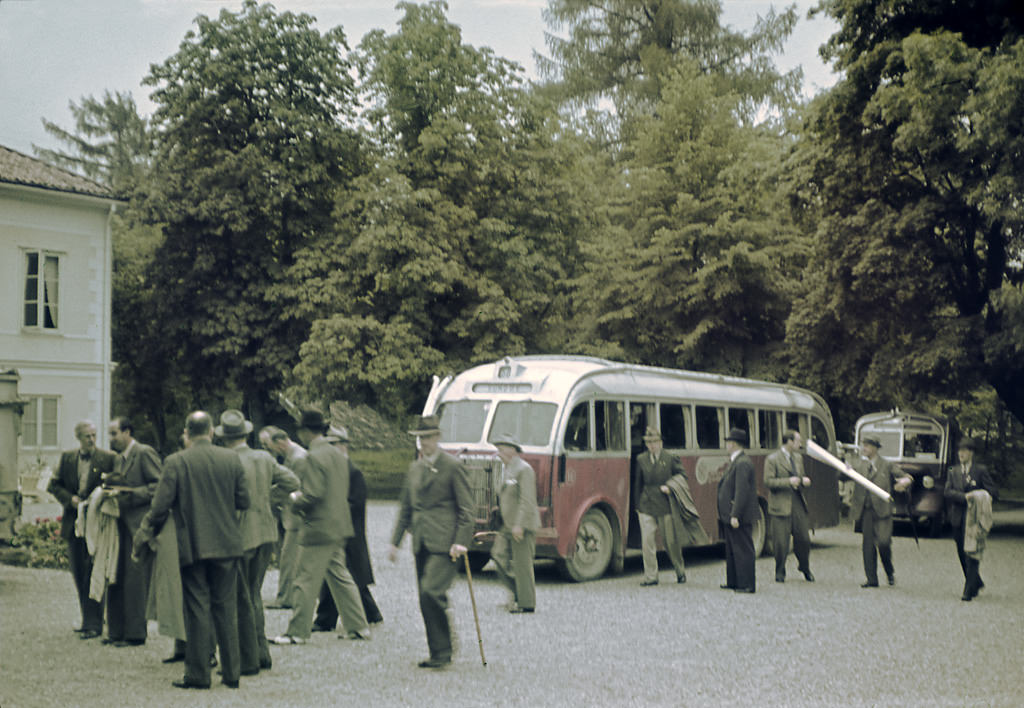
{"type": "Point", "coordinates": [871, 441]}
{"type": "Point", "coordinates": [337, 433]}
{"type": "Point", "coordinates": [232, 425]}
{"type": "Point", "coordinates": [313, 419]}
{"type": "Point", "coordinates": [426, 425]}
{"type": "Point", "coordinates": [651, 435]}
{"type": "Point", "coordinates": [507, 440]}
{"type": "Point", "coordinates": [738, 435]}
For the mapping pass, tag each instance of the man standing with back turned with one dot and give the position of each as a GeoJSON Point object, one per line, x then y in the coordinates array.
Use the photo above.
{"type": "Point", "coordinates": [737, 512]}
{"type": "Point", "coordinates": [436, 507]}
{"type": "Point", "coordinates": [204, 485]}
{"type": "Point", "coordinates": [787, 508]}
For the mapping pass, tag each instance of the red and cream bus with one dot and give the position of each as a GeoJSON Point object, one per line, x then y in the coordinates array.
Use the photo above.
{"type": "Point", "coordinates": [580, 421]}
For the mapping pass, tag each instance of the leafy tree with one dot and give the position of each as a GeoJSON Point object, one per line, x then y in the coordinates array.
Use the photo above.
{"type": "Point", "coordinates": [253, 140]}
{"type": "Point", "coordinates": [458, 246]}
{"type": "Point", "coordinates": [913, 164]}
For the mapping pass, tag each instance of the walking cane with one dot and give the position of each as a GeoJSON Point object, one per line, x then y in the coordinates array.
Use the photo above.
{"type": "Point", "coordinates": [476, 619]}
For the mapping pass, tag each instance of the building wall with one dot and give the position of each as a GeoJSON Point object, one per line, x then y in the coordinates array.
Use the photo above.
{"type": "Point", "coordinates": [72, 361]}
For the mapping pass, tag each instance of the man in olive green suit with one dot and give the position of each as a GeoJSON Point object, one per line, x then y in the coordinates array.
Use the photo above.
{"type": "Point", "coordinates": [654, 469]}
{"type": "Point", "coordinates": [787, 508]}
{"type": "Point", "coordinates": [436, 507]}
{"type": "Point", "coordinates": [516, 544]}
{"type": "Point", "coordinates": [875, 513]}
{"type": "Point", "coordinates": [78, 474]}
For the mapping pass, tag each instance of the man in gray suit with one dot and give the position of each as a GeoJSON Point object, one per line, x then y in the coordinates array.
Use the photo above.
{"type": "Point", "coordinates": [873, 513]}
{"type": "Point", "coordinates": [322, 502]}
{"type": "Point", "coordinates": [787, 508]}
{"type": "Point", "coordinates": [135, 476]}
{"type": "Point", "coordinates": [204, 486]}
{"type": "Point", "coordinates": [290, 453]}
{"type": "Point", "coordinates": [516, 544]}
{"type": "Point", "coordinates": [654, 468]}
{"type": "Point", "coordinates": [259, 535]}
{"type": "Point", "coordinates": [436, 508]}
{"type": "Point", "coordinates": [737, 512]}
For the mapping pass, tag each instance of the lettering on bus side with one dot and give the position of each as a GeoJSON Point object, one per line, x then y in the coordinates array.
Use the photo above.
{"type": "Point", "coordinates": [711, 469]}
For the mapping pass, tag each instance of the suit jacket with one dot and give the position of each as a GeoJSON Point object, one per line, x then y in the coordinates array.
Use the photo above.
{"type": "Point", "coordinates": [139, 468]}
{"type": "Point", "coordinates": [324, 475]}
{"type": "Point", "coordinates": [436, 505]}
{"type": "Point", "coordinates": [737, 492]}
{"type": "Point", "coordinates": [650, 476]}
{"type": "Point", "coordinates": [64, 484]}
{"type": "Point", "coordinates": [290, 520]}
{"type": "Point", "coordinates": [357, 555]}
{"type": "Point", "coordinates": [262, 474]}
{"type": "Point", "coordinates": [958, 486]}
{"type": "Point", "coordinates": [781, 494]}
{"type": "Point", "coordinates": [204, 486]}
{"type": "Point", "coordinates": [517, 497]}
{"type": "Point", "coordinates": [883, 475]}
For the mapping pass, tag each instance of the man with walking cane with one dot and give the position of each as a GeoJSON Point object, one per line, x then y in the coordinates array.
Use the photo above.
{"type": "Point", "coordinates": [436, 508]}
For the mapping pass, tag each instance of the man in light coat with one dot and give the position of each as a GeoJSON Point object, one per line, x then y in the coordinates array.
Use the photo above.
{"type": "Point", "coordinates": [873, 513]}
{"type": "Point", "coordinates": [259, 535]}
{"type": "Point", "coordinates": [516, 544]}
{"type": "Point", "coordinates": [787, 509]}
{"type": "Point", "coordinates": [290, 453]}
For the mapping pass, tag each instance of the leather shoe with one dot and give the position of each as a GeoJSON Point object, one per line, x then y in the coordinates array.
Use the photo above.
{"type": "Point", "coordinates": [187, 684]}
{"type": "Point", "coordinates": [780, 578]}
{"type": "Point", "coordinates": [79, 629]}
{"type": "Point", "coordinates": [727, 587]}
{"type": "Point", "coordinates": [809, 576]}
{"type": "Point", "coordinates": [749, 591]}
{"type": "Point", "coordinates": [108, 640]}
{"type": "Point", "coordinates": [89, 634]}
{"type": "Point", "coordinates": [230, 684]}
{"type": "Point", "coordinates": [129, 643]}
{"type": "Point", "coordinates": [434, 663]}
{"type": "Point", "coordinates": [680, 579]}
{"type": "Point", "coordinates": [517, 610]}
{"type": "Point", "coordinates": [648, 583]}
{"type": "Point", "coordinates": [967, 597]}
{"type": "Point", "coordinates": [173, 659]}
{"type": "Point", "coordinates": [869, 585]}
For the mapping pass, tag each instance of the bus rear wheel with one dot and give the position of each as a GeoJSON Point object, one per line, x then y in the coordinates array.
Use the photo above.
{"type": "Point", "coordinates": [593, 550]}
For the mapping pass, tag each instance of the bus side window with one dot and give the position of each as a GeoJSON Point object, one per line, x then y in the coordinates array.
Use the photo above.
{"type": "Point", "coordinates": [768, 429]}
{"type": "Point", "coordinates": [673, 425]}
{"type": "Point", "coordinates": [709, 429]}
{"type": "Point", "coordinates": [793, 421]}
{"type": "Point", "coordinates": [610, 425]}
{"type": "Point", "coordinates": [742, 418]}
{"type": "Point", "coordinates": [819, 433]}
{"type": "Point", "coordinates": [577, 431]}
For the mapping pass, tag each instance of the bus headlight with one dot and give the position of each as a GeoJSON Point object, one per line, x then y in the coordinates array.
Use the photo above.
{"type": "Point", "coordinates": [927, 481]}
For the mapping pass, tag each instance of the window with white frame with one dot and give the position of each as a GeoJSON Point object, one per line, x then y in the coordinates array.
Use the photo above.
{"type": "Point", "coordinates": [42, 290]}
{"type": "Point", "coordinates": [39, 422]}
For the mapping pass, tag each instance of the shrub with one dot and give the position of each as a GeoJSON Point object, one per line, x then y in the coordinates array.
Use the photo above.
{"type": "Point", "coordinates": [43, 542]}
{"type": "Point", "coordinates": [384, 471]}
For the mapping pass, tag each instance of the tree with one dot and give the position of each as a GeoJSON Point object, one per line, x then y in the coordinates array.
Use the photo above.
{"type": "Point", "coordinates": [458, 247]}
{"type": "Point", "coordinates": [915, 168]}
{"type": "Point", "coordinates": [253, 140]}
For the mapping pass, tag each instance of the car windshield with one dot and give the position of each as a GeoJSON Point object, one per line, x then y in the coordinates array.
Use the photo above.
{"type": "Point", "coordinates": [463, 421]}
{"type": "Point", "coordinates": [527, 421]}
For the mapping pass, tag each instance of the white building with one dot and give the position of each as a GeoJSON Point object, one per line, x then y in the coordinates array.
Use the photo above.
{"type": "Point", "coordinates": [55, 294]}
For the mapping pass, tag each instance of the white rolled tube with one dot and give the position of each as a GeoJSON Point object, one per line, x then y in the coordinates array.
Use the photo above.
{"type": "Point", "coordinates": [819, 453]}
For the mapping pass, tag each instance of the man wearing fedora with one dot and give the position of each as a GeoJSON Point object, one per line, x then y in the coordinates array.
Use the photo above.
{"type": "Point", "coordinates": [322, 502]}
{"type": "Point", "coordinates": [963, 479]}
{"type": "Point", "coordinates": [516, 544]}
{"type": "Point", "coordinates": [787, 509]}
{"type": "Point", "coordinates": [204, 487]}
{"type": "Point", "coordinates": [873, 513]}
{"type": "Point", "coordinates": [654, 468]}
{"type": "Point", "coordinates": [436, 508]}
{"type": "Point", "coordinates": [737, 513]}
{"type": "Point", "coordinates": [259, 535]}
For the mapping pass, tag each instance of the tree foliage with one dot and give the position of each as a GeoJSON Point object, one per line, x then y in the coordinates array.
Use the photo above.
{"type": "Point", "coordinates": [913, 164]}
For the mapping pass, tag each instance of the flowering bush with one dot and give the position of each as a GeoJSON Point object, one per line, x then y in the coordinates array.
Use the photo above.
{"type": "Point", "coordinates": [43, 542]}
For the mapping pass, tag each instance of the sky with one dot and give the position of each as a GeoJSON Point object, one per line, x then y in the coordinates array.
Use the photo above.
{"type": "Point", "coordinates": [53, 52]}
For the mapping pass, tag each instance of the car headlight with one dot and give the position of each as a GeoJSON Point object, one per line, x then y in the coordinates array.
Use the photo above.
{"type": "Point", "coordinates": [927, 481]}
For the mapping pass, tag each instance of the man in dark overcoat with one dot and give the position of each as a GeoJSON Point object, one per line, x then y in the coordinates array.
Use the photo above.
{"type": "Point", "coordinates": [78, 474]}
{"type": "Point", "coordinates": [874, 514]}
{"type": "Point", "coordinates": [737, 513]}
{"type": "Point", "coordinates": [204, 487]}
{"type": "Point", "coordinates": [654, 469]}
{"type": "Point", "coordinates": [961, 480]}
{"type": "Point", "coordinates": [436, 508]}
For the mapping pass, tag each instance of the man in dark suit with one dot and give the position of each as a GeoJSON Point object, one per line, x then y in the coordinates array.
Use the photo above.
{"type": "Point", "coordinates": [77, 476]}
{"type": "Point", "coordinates": [322, 502]}
{"type": "Point", "coordinates": [516, 545]}
{"type": "Point", "coordinates": [135, 476]}
{"type": "Point", "coordinates": [436, 508]}
{"type": "Point", "coordinates": [874, 513]}
{"type": "Point", "coordinates": [204, 487]}
{"type": "Point", "coordinates": [737, 513]}
{"type": "Point", "coordinates": [357, 555]}
{"type": "Point", "coordinates": [787, 508]}
{"type": "Point", "coordinates": [961, 481]}
{"type": "Point", "coordinates": [654, 468]}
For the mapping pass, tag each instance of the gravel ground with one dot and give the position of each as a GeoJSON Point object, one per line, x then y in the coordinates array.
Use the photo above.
{"type": "Point", "coordinates": [606, 643]}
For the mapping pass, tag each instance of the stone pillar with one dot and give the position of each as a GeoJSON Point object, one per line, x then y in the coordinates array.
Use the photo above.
{"type": "Point", "coordinates": [10, 428]}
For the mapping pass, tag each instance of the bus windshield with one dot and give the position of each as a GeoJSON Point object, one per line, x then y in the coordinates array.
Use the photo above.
{"type": "Point", "coordinates": [463, 421]}
{"type": "Point", "coordinates": [528, 422]}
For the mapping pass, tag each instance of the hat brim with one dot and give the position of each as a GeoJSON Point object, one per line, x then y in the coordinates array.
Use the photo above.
{"type": "Point", "coordinates": [221, 433]}
{"type": "Point", "coordinates": [505, 443]}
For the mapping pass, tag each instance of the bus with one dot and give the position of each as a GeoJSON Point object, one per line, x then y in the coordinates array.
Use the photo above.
{"type": "Point", "coordinates": [921, 445]}
{"type": "Point", "coordinates": [580, 421]}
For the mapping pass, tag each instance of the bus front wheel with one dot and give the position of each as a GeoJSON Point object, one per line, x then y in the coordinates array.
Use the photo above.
{"type": "Point", "coordinates": [593, 550]}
